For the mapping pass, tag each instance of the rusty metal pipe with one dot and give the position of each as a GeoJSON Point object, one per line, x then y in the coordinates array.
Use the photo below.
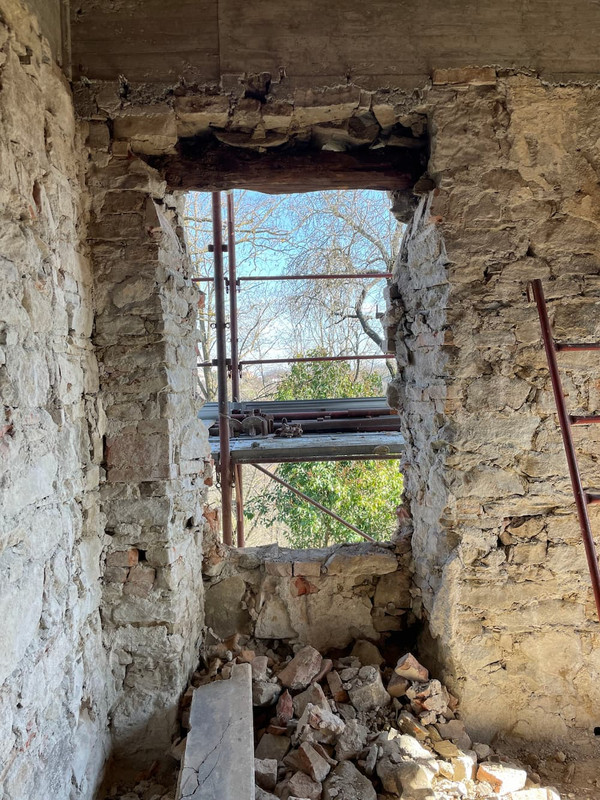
{"type": "Point", "coordinates": [581, 499]}
{"type": "Point", "coordinates": [308, 359]}
{"type": "Point", "coordinates": [235, 369]}
{"type": "Point", "coordinates": [314, 503]}
{"type": "Point", "coordinates": [572, 347]}
{"type": "Point", "coordinates": [221, 324]}
{"type": "Point", "coordinates": [335, 276]}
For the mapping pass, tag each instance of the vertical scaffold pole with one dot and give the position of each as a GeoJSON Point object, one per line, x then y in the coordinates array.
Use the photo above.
{"type": "Point", "coordinates": [235, 369]}
{"type": "Point", "coordinates": [221, 325]}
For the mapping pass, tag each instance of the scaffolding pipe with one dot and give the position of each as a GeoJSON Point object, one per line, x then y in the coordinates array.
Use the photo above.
{"type": "Point", "coordinates": [581, 499]}
{"type": "Point", "coordinates": [220, 325]}
{"type": "Point", "coordinates": [304, 360]}
{"type": "Point", "coordinates": [335, 276]}
{"type": "Point", "coordinates": [235, 369]}
{"type": "Point", "coordinates": [314, 503]}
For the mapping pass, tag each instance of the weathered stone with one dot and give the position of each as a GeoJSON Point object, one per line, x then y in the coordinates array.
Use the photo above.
{"type": "Point", "coordinates": [272, 747]}
{"type": "Point", "coordinates": [365, 564]}
{"type": "Point", "coordinates": [393, 589]}
{"type": "Point", "coordinates": [223, 607]}
{"type": "Point", "coordinates": [446, 749]}
{"type": "Point", "coordinates": [454, 730]}
{"type": "Point", "coordinates": [302, 786]}
{"type": "Point", "coordinates": [346, 783]}
{"type": "Point", "coordinates": [265, 773]}
{"type": "Point", "coordinates": [301, 669]}
{"type": "Point", "coordinates": [259, 666]}
{"type": "Point", "coordinates": [336, 687]}
{"type": "Point", "coordinates": [307, 568]}
{"type": "Point", "coordinates": [502, 777]}
{"type": "Point", "coordinates": [314, 694]}
{"type": "Point", "coordinates": [351, 741]}
{"type": "Point", "coordinates": [265, 693]}
{"type": "Point", "coordinates": [408, 667]}
{"type": "Point", "coordinates": [407, 723]}
{"type": "Point", "coordinates": [464, 766]}
{"type": "Point", "coordinates": [261, 794]}
{"type": "Point", "coordinates": [319, 725]}
{"type": "Point", "coordinates": [367, 692]}
{"type": "Point", "coordinates": [309, 760]}
{"type": "Point", "coordinates": [285, 708]}
{"type": "Point", "coordinates": [367, 653]}
{"type": "Point", "coordinates": [220, 719]}
{"type": "Point", "coordinates": [122, 558]}
{"type": "Point", "coordinates": [274, 620]}
{"type": "Point", "coordinates": [280, 568]}
{"type": "Point", "coordinates": [397, 686]}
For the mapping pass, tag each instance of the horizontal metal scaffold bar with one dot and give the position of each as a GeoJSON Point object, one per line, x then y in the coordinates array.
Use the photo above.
{"type": "Point", "coordinates": [371, 446]}
{"type": "Point", "coordinates": [315, 503]}
{"type": "Point", "coordinates": [303, 360]}
{"type": "Point", "coordinates": [595, 418]}
{"type": "Point", "coordinates": [320, 277]}
{"type": "Point", "coordinates": [573, 347]}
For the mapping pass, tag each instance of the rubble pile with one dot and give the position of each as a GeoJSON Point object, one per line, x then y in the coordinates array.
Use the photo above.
{"type": "Point", "coordinates": [351, 727]}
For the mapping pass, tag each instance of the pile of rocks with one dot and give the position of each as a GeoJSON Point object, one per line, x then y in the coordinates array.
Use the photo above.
{"type": "Point", "coordinates": [351, 728]}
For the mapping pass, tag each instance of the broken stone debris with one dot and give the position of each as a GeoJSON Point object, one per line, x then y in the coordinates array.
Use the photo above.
{"type": "Point", "coordinates": [363, 731]}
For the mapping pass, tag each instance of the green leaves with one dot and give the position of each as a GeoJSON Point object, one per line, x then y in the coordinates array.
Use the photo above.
{"type": "Point", "coordinates": [365, 493]}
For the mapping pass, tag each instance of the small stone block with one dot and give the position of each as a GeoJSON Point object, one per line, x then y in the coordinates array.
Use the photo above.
{"type": "Point", "coordinates": [310, 569]}
{"type": "Point", "coordinates": [279, 568]}
{"type": "Point", "coordinates": [123, 558]}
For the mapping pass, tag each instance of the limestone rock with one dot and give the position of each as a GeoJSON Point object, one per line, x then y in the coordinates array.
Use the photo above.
{"type": "Point", "coordinates": [259, 666]}
{"type": "Point", "coordinates": [397, 686]}
{"type": "Point", "coordinates": [261, 794]}
{"type": "Point", "coordinates": [502, 777]}
{"type": "Point", "coordinates": [272, 747]}
{"type": "Point", "coordinates": [367, 653]}
{"type": "Point", "coordinates": [265, 773]}
{"type": "Point", "coordinates": [351, 741]}
{"type": "Point", "coordinates": [408, 667]}
{"type": "Point", "coordinates": [319, 725]}
{"type": "Point", "coordinates": [285, 708]}
{"type": "Point", "coordinates": [367, 692]}
{"type": "Point", "coordinates": [347, 783]}
{"type": "Point", "coordinates": [302, 786]}
{"type": "Point", "coordinates": [336, 687]}
{"type": "Point", "coordinates": [309, 760]}
{"type": "Point", "coordinates": [274, 620]}
{"type": "Point", "coordinates": [314, 694]}
{"type": "Point", "coordinates": [302, 668]}
{"type": "Point", "coordinates": [265, 693]}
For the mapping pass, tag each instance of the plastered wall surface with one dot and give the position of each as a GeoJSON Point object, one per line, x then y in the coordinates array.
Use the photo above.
{"type": "Point", "coordinates": [53, 698]}
{"type": "Point", "coordinates": [496, 543]}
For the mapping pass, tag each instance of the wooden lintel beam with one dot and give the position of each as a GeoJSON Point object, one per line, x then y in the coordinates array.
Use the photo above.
{"type": "Point", "coordinates": [220, 167]}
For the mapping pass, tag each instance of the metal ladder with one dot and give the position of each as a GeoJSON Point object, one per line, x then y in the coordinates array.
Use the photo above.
{"type": "Point", "coordinates": [582, 498]}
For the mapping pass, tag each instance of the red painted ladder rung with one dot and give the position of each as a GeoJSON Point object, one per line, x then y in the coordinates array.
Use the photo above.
{"type": "Point", "coordinates": [582, 498]}
{"type": "Point", "coordinates": [574, 347]}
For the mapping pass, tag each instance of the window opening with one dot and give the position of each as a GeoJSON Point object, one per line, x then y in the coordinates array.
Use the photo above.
{"type": "Point", "coordinates": [301, 278]}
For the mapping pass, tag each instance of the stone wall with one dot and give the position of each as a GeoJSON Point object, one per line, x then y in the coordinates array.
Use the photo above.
{"type": "Point", "coordinates": [53, 703]}
{"type": "Point", "coordinates": [323, 597]}
{"type": "Point", "coordinates": [496, 543]}
{"type": "Point", "coordinates": [155, 448]}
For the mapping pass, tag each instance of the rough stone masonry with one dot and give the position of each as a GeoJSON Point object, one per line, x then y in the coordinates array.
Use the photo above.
{"type": "Point", "coordinates": [102, 458]}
